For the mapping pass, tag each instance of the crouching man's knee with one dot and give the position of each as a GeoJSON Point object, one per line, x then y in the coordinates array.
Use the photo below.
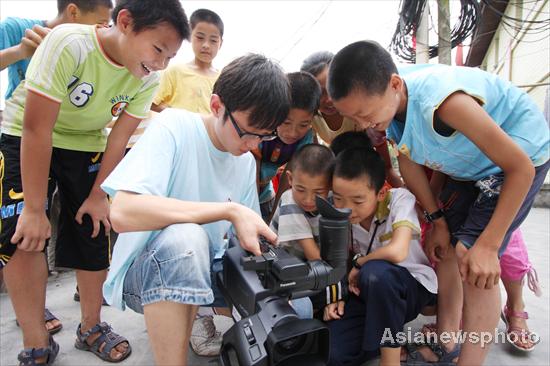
{"type": "Point", "coordinates": [175, 266]}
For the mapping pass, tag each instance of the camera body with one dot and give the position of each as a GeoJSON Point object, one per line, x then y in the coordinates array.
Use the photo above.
{"type": "Point", "coordinates": [259, 287]}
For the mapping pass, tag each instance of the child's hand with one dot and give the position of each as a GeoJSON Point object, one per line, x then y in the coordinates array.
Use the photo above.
{"type": "Point", "coordinates": [479, 266]}
{"type": "Point", "coordinates": [353, 281]}
{"type": "Point", "coordinates": [438, 241]}
{"type": "Point", "coordinates": [248, 227]}
{"type": "Point", "coordinates": [32, 230]}
{"type": "Point", "coordinates": [97, 207]}
{"type": "Point", "coordinates": [31, 40]}
{"type": "Point", "coordinates": [334, 311]}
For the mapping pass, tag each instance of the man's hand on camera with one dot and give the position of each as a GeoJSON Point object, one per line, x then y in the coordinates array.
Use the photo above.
{"type": "Point", "coordinates": [248, 227]}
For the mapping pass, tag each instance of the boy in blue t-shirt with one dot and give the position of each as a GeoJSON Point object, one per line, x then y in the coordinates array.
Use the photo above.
{"type": "Point", "coordinates": [485, 134]}
{"type": "Point", "coordinates": [292, 134]}
{"type": "Point", "coordinates": [20, 37]}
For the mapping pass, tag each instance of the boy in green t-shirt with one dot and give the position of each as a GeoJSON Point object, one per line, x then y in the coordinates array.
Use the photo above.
{"type": "Point", "coordinates": [53, 132]}
{"type": "Point", "coordinates": [19, 40]}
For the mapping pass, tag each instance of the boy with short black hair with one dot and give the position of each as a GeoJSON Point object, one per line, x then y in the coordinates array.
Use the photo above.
{"type": "Point", "coordinates": [189, 86]}
{"type": "Point", "coordinates": [328, 123]}
{"type": "Point", "coordinates": [350, 139]}
{"type": "Point", "coordinates": [296, 220]}
{"type": "Point", "coordinates": [19, 40]}
{"type": "Point", "coordinates": [485, 134]}
{"type": "Point", "coordinates": [292, 134]}
{"type": "Point", "coordinates": [391, 279]}
{"type": "Point", "coordinates": [176, 195]}
{"type": "Point", "coordinates": [78, 80]}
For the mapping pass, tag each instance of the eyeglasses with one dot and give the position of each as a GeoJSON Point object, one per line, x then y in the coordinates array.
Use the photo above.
{"type": "Point", "coordinates": [249, 135]}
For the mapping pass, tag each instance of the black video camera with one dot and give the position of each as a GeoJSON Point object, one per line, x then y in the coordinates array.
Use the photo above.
{"type": "Point", "coordinates": [260, 287]}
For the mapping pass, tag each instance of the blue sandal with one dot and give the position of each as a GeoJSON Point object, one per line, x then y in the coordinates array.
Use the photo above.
{"type": "Point", "coordinates": [414, 357]}
{"type": "Point", "coordinates": [28, 356]}
{"type": "Point", "coordinates": [445, 358]}
{"type": "Point", "coordinates": [107, 336]}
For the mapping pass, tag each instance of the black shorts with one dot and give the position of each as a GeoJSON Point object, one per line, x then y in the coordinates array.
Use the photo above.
{"type": "Point", "coordinates": [469, 206]}
{"type": "Point", "coordinates": [74, 172]}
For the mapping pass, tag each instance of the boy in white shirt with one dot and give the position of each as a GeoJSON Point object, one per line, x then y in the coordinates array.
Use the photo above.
{"type": "Point", "coordinates": [391, 279]}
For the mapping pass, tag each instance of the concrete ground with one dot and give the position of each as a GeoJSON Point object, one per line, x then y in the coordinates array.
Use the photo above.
{"type": "Point", "coordinates": [536, 231]}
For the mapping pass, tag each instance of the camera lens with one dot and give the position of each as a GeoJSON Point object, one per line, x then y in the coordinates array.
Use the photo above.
{"type": "Point", "coordinates": [291, 345]}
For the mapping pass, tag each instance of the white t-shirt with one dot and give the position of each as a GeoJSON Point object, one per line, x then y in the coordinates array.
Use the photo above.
{"type": "Point", "coordinates": [175, 158]}
{"type": "Point", "coordinates": [397, 210]}
{"type": "Point", "coordinates": [291, 223]}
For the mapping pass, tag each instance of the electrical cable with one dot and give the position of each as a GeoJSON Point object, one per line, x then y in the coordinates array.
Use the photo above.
{"type": "Point", "coordinates": [403, 42]}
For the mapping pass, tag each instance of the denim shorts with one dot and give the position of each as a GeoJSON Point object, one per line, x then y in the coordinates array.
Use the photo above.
{"type": "Point", "coordinates": [175, 267]}
{"type": "Point", "coordinates": [468, 206]}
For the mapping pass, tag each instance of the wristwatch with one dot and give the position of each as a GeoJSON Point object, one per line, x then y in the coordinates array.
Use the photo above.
{"type": "Point", "coordinates": [431, 217]}
{"type": "Point", "coordinates": [355, 259]}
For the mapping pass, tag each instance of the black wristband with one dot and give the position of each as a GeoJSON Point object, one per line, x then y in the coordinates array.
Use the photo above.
{"type": "Point", "coordinates": [355, 259]}
{"type": "Point", "coordinates": [431, 217]}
